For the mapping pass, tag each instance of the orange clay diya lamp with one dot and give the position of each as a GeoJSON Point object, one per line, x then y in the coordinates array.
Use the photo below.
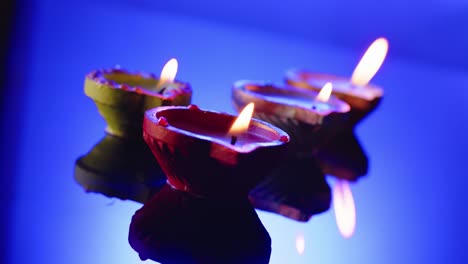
{"type": "Point", "coordinates": [362, 96]}
{"type": "Point", "coordinates": [343, 157]}
{"type": "Point", "coordinates": [212, 160]}
{"type": "Point", "coordinates": [296, 188]}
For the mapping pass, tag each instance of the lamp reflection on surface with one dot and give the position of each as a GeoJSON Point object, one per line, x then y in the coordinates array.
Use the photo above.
{"type": "Point", "coordinates": [203, 215]}
{"type": "Point", "coordinates": [120, 167]}
{"type": "Point", "coordinates": [345, 210]}
{"type": "Point", "coordinates": [300, 243]}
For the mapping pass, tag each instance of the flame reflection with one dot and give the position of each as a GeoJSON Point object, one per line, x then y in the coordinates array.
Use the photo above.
{"type": "Point", "coordinates": [345, 210]}
{"type": "Point", "coordinates": [300, 244]}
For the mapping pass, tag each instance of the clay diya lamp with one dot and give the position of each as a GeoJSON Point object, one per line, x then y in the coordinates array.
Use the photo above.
{"type": "Point", "coordinates": [123, 97]}
{"type": "Point", "coordinates": [297, 187]}
{"type": "Point", "coordinates": [121, 164]}
{"type": "Point", "coordinates": [362, 96]}
{"type": "Point", "coordinates": [212, 160]}
{"type": "Point", "coordinates": [309, 117]}
{"type": "Point", "coordinates": [343, 157]}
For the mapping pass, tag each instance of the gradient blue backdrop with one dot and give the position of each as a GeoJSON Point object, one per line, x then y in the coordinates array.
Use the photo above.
{"type": "Point", "coordinates": [410, 207]}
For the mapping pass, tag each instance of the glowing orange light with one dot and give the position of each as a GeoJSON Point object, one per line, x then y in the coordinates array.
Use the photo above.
{"type": "Point", "coordinates": [325, 93]}
{"type": "Point", "coordinates": [300, 244]}
{"type": "Point", "coordinates": [345, 210]}
{"type": "Point", "coordinates": [241, 124]}
{"type": "Point", "coordinates": [168, 72]}
{"type": "Point", "coordinates": [370, 62]}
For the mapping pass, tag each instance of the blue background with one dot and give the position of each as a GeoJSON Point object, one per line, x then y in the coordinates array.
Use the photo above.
{"type": "Point", "coordinates": [410, 207]}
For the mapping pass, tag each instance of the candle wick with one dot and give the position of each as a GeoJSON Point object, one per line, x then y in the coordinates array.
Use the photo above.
{"type": "Point", "coordinates": [162, 90]}
{"type": "Point", "coordinates": [161, 86]}
{"type": "Point", "coordinates": [233, 140]}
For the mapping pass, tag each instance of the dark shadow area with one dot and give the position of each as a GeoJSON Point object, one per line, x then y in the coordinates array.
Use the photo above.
{"type": "Point", "coordinates": [176, 227]}
{"type": "Point", "coordinates": [296, 189]}
{"type": "Point", "coordinates": [344, 157]}
{"type": "Point", "coordinates": [11, 33]}
{"type": "Point", "coordinates": [120, 167]}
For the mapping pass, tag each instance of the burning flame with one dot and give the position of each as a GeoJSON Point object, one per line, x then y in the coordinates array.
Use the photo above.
{"type": "Point", "coordinates": [241, 124]}
{"type": "Point", "coordinates": [300, 244]}
{"type": "Point", "coordinates": [370, 62]}
{"type": "Point", "coordinates": [345, 210]}
{"type": "Point", "coordinates": [168, 72]}
{"type": "Point", "coordinates": [324, 93]}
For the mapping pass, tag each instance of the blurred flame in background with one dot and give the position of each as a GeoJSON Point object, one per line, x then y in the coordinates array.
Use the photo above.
{"type": "Point", "coordinates": [370, 62]}
{"type": "Point", "coordinates": [325, 93]}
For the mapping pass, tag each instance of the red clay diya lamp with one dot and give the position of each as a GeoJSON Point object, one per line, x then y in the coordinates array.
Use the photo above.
{"type": "Point", "coordinates": [212, 160]}
{"type": "Point", "coordinates": [121, 165]}
{"type": "Point", "coordinates": [357, 92]}
{"type": "Point", "coordinates": [123, 97]}
{"type": "Point", "coordinates": [296, 188]}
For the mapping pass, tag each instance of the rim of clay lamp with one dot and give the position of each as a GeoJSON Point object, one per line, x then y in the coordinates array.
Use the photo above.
{"type": "Point", "coordinates": [122, 97]}
{"type": "Point", "coordinates": [304, 78]}
{"type": "Point", "coordinates": [246, 91]}
{"type": "Point", "coordinates": [194, 149]}
{"type": "Point", "coordinates": [121, 88]}
{"type": "Point", "coordinates": [151, 125]}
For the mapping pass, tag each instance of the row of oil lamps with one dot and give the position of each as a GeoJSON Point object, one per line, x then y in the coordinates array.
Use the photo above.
{"type": "Point", "coordinates": [214, 169]}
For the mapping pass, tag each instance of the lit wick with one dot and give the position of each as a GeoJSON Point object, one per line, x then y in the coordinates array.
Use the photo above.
{"type": "Point", "coordinates": [233, 140]}
{"type": "Point", "coordinates": [242, 122]}
{"type": "Point", "coordinates": [167, 75]}
{"type": "Point", "coordinates": [162, 90]}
